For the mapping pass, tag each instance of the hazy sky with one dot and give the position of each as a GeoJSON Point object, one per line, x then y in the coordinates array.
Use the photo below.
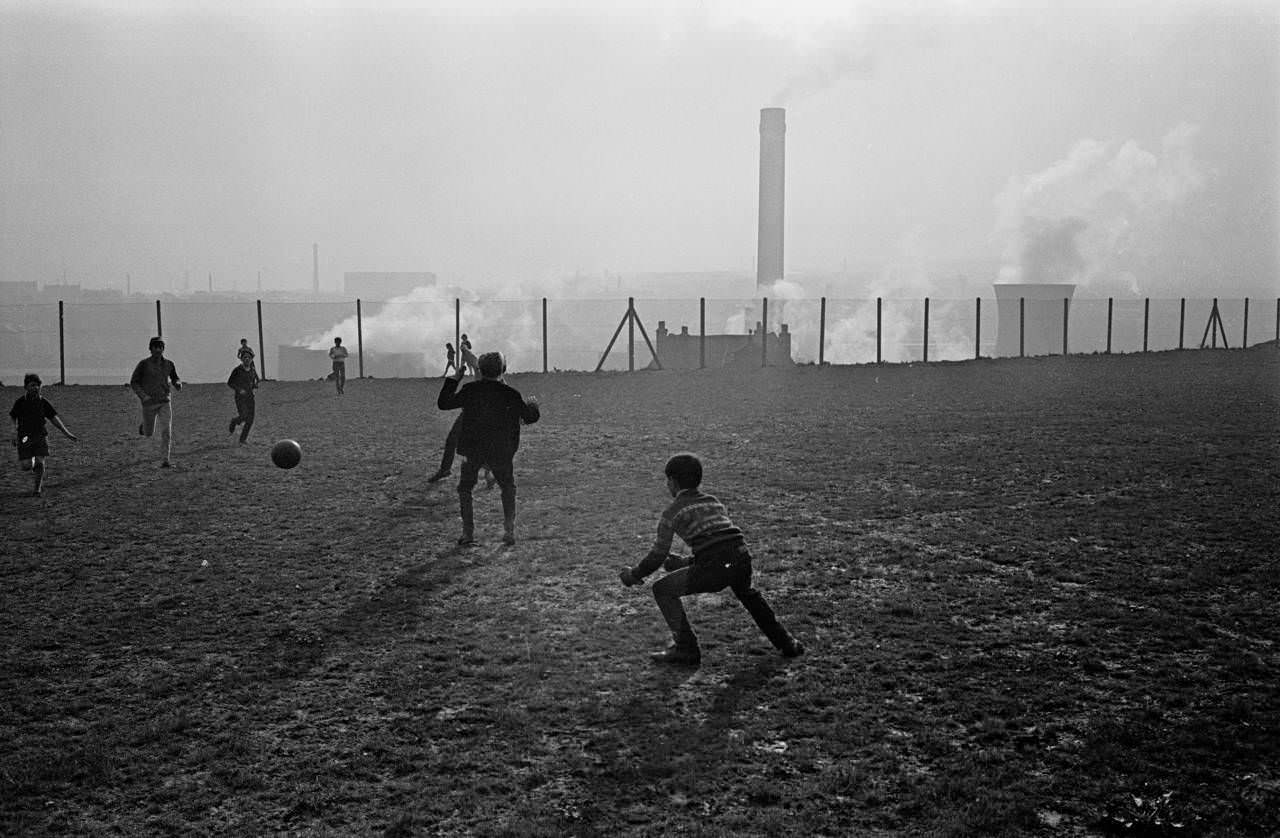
{"type": "Point", "coordinates": [1134, 147]}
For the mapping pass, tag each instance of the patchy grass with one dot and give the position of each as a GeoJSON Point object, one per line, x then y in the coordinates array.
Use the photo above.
{"type": "Point", "coordinates": [1039, 597]}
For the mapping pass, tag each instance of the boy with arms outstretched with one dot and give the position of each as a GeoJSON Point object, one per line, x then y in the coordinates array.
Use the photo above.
{"type": "Point", "coordinates": [488, 435]}
{"type": "Point", "coordinates": [720, 560]}
{"type": "Point", "coordinates": [29, 415]}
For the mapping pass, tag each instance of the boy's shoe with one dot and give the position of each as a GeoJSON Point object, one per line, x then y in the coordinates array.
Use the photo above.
{"type": "Point", "coordinates": [677, 656]}
{"type": "Point", "coordinates": [794, 649]}
{"type": "Point", "coordinates": [438, 476]}
{"type": "Point", "coordinates": [141, 430]}
{"type": "Point", "coordinates": [166, 464]}
{"type": "Point", "coordinates": [509, 538]}
{"type": "Point", "coordinates": [467, 541]}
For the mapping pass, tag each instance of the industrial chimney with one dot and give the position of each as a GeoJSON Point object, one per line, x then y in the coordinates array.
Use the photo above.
{"type": "Point", "coordinates": [773, 131]}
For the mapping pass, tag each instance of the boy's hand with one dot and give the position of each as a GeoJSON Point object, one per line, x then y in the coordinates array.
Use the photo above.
{"type": "Point", "coordinates": [628, 578]}
{"type": "Point", "coordinates": [177, 385]}
{"type": "Point", "coordinates": [675, 561]}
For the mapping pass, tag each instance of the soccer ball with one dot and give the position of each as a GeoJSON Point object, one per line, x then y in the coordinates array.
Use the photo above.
{"type": "Point", "coordinates": [286, 453]}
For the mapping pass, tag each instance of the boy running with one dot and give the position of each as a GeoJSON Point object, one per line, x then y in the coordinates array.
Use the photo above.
{"type": "Point", "coordinates": [243, 380]}
{"type": "Point", "coordinates": [151, 382]}
{"type": "Point", "coordinates": [29, 414]}
{"type": "Point", "coordinates": [488, 435]}
{"type": "Point", "coordinates": [720, 559]}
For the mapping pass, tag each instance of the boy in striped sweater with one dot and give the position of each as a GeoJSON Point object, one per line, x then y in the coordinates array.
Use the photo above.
{"type": "Point", "coordinates": [720, 560]}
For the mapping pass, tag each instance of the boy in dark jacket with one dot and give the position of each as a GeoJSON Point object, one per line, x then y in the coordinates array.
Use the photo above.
{"type": "Point", "coordinates": [151, 382]}
{"type": "Point", "coordinates": [29, 415]}
{"type": "Point", "coordinates": [243, 380]}
{"type": "Point", "coordinates": [720, 560]}
{"type": "Point", "coordinates": [488, 435]}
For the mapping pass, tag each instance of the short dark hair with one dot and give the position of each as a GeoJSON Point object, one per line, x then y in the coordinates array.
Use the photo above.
{"type": "Point", "coordinates": [156, 342]}
{"type": "Point", "coordinates": [30, 377]}
{"type": "Point", "coordinates": [685, 469]}
{"type": "Point", "coordinates": [491, 364]}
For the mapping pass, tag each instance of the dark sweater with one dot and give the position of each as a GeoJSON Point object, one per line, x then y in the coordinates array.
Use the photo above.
{"type": "Point", "coordinates": [492, 413]}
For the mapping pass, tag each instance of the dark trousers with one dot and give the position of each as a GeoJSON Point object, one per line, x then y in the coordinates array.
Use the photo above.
{"type": "Point", "coordinates": [728, 567]}
{"type": "Point", "coordinates": [450, 446]}
{"type": "Point", "coordinates": [505, 475]}
{"type": "Point", "coordinates": [340, 375]}
{"type": "Point", "coordinates": [244, 414]}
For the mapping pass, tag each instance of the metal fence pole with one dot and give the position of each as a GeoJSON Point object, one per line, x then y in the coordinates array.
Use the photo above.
{"type": "Point", "coordinates": [822, 330]}
{"type": "Point", "coordinates": [1022, 327]}
{"type": "Point", "coordinates": [977, 327]}
{"type": "Point", "coordinates": [457, 326]}
{"type": "Point", "coordinates": [1244, 341]}
{"type": "Point", "coordinates": [1146, 320]}
{"type": "Point", "coordinates": [1182, 320]}
{"type": "Point", "coordinates": [1110, 303]}
{"type": "Point", "coordinates": [359, 339]}
{"type": "Point", "coordinates": [262, 348]}
{"type": "Point", "coordinates": [702, 331]}
{"type": "Point", "coordinates": [764, 331]}
{"type": "Point", "coordinates": [631, 334]}
{"type": "Point", "coordinates": [62, 350]}
{"type": "Point", "coordinates": [544, 334]}
{"type": "Point", "coordinates": [878, 355]}
{"type": "Point", "coordinates": [926, 330]}
{"type": "Point", "coordinates": [1066, 305]}
{"type": "Point", "coordinates": [159, 327]}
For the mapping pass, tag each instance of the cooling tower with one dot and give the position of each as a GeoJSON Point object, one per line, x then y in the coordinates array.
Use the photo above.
{"type": "Point", "coordinates": [1038, 329]}
{"type": "Point", "coordinates": [773, 146]}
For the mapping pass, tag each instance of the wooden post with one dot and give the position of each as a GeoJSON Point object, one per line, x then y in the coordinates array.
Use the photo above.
{"type": "Point", "coordinates": [1022, 327]}
{"type": "Point", "coordinates": [159, 327]}
{"type": "Point", "coordinates": [702, 331]}
{"type": "Point", "coordinates": [1110, 303]}
{"type": "Point", "coordinates": [878, 355]}
{"type": "Point", "coordinates": [1146, 320]}
{"type": "Point", "coordinates": [764, 331]}
{"type": "Point", "coordinates": [977, 327]}
{"type": "Point", "coordinates": [1278, 321]}
{"type": "Point", "coordinates": [262, 349]}
{"type": "Point", "coordinates": [544, 334]}
{"type": "Point", "coordinates": [926, 330]}
{"type": "Point", "coordinates": [1244, 340]}
{"type": "Point", "coordinates": [62, 348]}
{"type": "Point", "coordinates": [631, 334]}
{"type": "Point", "coordinates": [822, 330]}
{"type": "Point", "coordinates": [1182, 320]}
{"type": "Point", "coordinates": [359, 340]}
{"type": "Point", "coordinates": [457, 326]}
{"type": "Point", "coordinates": [1066, 306]}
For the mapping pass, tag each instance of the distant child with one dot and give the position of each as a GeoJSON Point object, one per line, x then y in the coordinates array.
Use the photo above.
{"type": "Point", "coordinates": [468, 357]}
{"type": "Point", "coordinates": [29, 414]}
{"type": "Point", "coordinates": [720, 559]}
{"type": "Point", "coordinates": [451, 358]}
{"type": "Point", "coordinates": [338, 354]}
{"type": "Point", "coordinates": [246, 351]}
{"type": "Point", "coordinates": [488, 435]}
{"type": "Point", "coordinates": [151, 382]}
{"type": "Point", "coordinates": [243, 380]}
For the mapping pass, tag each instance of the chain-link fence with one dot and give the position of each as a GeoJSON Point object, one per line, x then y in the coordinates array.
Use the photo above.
{"type": "Point", "coordinates": [99, 343]}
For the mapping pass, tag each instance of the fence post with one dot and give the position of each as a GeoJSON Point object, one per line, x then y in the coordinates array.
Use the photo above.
{"type": "Point", "coordinates": [1066, 305]}
{"type": "Point", "coordinates": [262, 349]}
{"type": "Point", "coordinates": [926, 330]}
{"type": "Point", "coordinates": [764, 331]}
{"type": "Point", "coordinates": [359, 339]}
{"type": "Point", "coordinates": [631, 334]}
{"type": "Point", "coordinates": [159, 327]}
{"type": "Point", "coordinates": [702, 331]}
{"type": "Point", "coordinates": [977, 328]}
{"type": "Point", "coordinates": [457, 326]}
{"type": "Point", "coordinates": [1110, 302]}
{"type": "Point", "coordinates": [544, 334]}
{"type": "Point", "coordinates": [62, 351]}
{"type": "Point", "coordinates": [1244, 341]}
{"type": "Point", "coordinates": [822, 329]}
{"type": "Point", "coordinates": [1146, 320]}
{"type": "Point", "coordinates": [1182, 320]}
{"type": "Point", "coordinates": [1278, 321]}
{"type": "Point", "coordinates": [878, 356]}
{"type": "Point", "coordinates": [1022, 327]}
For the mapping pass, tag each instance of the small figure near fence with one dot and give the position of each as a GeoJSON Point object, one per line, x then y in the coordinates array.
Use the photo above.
{"type": "Point", "coordinates": [338, 354]}
{"type": "Point", "coordinates": [720, 559]}
{"type": "Point", "coordinates": [246, 351]}
{"type": "Point", "coordinates": [489, 435]}
{"type": "Point", "coordinates": [29, 414]}
{"type": "Point", "coordinates": [243, 380]}
{"type": "Point", "coordinates": [451, 357]}
{"type": "Point", "coordinates": [151, 382]}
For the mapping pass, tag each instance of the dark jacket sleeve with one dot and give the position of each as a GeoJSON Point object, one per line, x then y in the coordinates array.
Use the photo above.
{"type": "Point", "coordinates": [449, 398]}
{"type": "Point", "coordinates": [231, 379]}
{"type": "Point", "coordinates": [529, 413]}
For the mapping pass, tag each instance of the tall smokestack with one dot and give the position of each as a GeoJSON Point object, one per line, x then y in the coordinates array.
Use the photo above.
{"type": "Point", "coordinates": [315, 268]}
{"type": "Point", "coordinates": [773, 157]}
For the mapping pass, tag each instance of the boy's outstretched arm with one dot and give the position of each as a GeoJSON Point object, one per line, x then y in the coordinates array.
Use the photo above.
{"type": "Point", "coordinates": [448, 398]}
{"type": "Point", "coordinates": [57, 423]}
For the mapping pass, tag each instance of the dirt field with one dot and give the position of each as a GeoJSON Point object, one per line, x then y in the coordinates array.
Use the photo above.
{"type": "Point", "coordinates": [1039, 596]}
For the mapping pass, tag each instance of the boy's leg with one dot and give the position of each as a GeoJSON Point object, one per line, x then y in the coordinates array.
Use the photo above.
{"type": "Point", "coordinates": [164, 418]}
{"type": "Point", "coordinates": [505, 475]}
{"type": "Point", "coordinates": [758, 607]}
{"type": "Point", "coordinates": [467, 482]}
{"type": "Point", "coordinates": [148, 426]}
{"type": "Point", "coordinates": [246, 416]}
{"type": "Point", "coordinates": [450, 448]}
{"type": "Point", "coordinates": [667, 592]}
{"type": "Point", "coordinates": [37, 469]}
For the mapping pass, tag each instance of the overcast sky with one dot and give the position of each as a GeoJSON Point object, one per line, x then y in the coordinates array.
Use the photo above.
{"type": "Point", "coordinates": [1133, 147]}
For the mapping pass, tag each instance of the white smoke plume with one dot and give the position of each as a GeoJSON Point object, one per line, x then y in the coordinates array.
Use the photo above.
{"type": "Point", "coordinates": [1097, 217]}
